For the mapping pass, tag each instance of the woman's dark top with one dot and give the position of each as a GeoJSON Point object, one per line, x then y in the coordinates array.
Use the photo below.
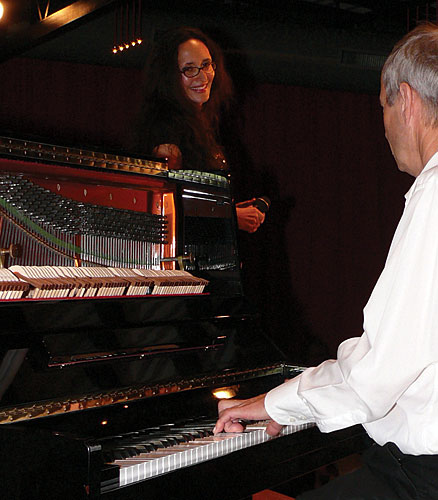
{"type": "Point", "coordinates": [164, 123]}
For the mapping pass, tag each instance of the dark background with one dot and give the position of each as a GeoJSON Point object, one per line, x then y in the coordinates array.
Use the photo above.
{"type": "Point", "coordinates": [306, 130]}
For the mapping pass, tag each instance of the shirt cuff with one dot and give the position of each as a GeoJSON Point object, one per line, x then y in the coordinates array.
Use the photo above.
{"type": "Point", "coordinates": [285, 406]}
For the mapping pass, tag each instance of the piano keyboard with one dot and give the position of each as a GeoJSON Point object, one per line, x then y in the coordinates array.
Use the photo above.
{"type": "Point", "coordinates": [41, 282]}
{"type": "Point", "coordinates": [146, 455]}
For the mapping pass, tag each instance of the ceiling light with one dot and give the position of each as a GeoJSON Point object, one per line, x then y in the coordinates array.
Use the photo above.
{"type": "Point", "coordinates": [1, 10]}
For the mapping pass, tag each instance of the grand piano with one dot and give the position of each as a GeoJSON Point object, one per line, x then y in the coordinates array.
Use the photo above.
{"type": "Point", "coordinates": [109, 379]}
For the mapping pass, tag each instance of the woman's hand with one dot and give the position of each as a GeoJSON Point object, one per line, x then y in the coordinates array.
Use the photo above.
{"type": "Point", "coordinates": [171, 153]}
{"type": "Point", "coordinates": [233, 411]}
{"type": "Point", "coordinates": [249, 218]}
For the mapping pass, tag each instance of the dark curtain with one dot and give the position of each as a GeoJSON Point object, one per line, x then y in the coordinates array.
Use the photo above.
{"type": "Point", "coordinates": [320, 155]}
{"type": "Point", "coordinates": [322, 158]}
{"type": "Point", "coordinates": [75, 103]}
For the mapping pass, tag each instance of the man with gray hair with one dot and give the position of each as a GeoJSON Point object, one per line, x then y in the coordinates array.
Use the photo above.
{"type": "Point", "coordinates": [386, 379]}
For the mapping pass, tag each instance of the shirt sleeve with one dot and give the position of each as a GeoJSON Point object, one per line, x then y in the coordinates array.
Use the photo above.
{"type": "Point", "coordinates": [400, 337]}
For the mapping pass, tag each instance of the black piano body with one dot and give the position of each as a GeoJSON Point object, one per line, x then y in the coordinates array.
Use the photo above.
{"type": "Point", "coordinates": [77, 372]}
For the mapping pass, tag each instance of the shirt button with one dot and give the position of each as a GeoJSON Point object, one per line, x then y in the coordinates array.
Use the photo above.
{"type": "Point", "coordinates": [292, 419]}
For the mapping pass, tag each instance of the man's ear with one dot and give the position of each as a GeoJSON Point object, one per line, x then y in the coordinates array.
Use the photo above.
{"type": "Point", "coordinates": [407, 101]}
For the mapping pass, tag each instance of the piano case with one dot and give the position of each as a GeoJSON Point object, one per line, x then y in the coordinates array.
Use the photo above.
{"type": "Point", "coordinates": [82, 377]}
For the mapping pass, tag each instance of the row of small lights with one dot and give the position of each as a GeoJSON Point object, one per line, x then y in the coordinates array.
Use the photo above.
{"type": "Point", "coordinates": [126, 45]}
{"type": "Point", "coordinates": [127, 26]}
{"type": "Point", "coordinates": [116, 48]}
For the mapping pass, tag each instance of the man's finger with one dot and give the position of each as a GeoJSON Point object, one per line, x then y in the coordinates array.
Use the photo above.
{"type": "Point", "coordinates": [273, 429]}
{"type": "Point", "coordinates": [234, 427]}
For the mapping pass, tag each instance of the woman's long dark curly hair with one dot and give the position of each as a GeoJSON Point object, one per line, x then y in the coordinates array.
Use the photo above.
{"type": "Point", "coordinates": [168, 115]}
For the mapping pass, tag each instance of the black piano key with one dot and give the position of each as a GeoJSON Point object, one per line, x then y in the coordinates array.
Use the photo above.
{"type": "Point", "coordinates": [201, 431]}
{"type": "Point", "coordinates": [175, 439]}
{"type": "Point", "coordinates": [147, 445]}
{"type": "Point", "coordinates": [120, 453]}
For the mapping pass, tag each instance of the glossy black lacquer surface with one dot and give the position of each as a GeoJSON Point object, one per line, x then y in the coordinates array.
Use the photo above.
{"type": "Point", "coordinates": [77, 350]}
{"type": "Point", "coordinates": [71, 348]}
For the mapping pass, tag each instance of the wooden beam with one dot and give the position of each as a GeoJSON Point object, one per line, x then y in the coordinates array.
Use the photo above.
{"type": "Point", "coordinates": [31, 36]}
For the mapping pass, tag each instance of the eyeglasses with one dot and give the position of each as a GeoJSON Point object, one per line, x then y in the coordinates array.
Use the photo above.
{"type": "Point", "coordinates": [192, 71]}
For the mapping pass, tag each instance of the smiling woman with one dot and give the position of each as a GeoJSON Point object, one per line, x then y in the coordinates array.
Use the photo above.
{"type": "Point", "coordinates": [186, 88]}
{"type": "Point", "coordinates": [197, 70]}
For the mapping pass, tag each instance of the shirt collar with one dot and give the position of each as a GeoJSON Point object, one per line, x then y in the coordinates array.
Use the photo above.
{"type": "Point", "coordinates": [432, 163]}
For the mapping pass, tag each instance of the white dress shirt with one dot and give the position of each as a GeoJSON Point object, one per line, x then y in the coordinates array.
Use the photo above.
{"type": "Point", "coordinates": [387, 379]}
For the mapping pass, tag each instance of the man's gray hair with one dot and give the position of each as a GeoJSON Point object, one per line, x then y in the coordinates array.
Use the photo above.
{"type": "Point", "coordinates": [414, 60]}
